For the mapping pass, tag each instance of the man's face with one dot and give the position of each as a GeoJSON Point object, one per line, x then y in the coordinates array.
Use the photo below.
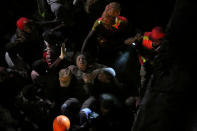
{"type": "Point", "coordinates": [81, 62]}
{"type": "Point", "coordinates": [27, 29]}
{"type": "Point", "coordinates": [113, 13]}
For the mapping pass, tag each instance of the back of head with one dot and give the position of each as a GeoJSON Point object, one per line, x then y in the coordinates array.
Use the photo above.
{"type": "Point", "coordinates": [72, 105]}
{"type": "Point", "coordinates": [108, 102]}
{"type": "Point", "coordinates": [109, 71]}
{"type": "Point", "coordinates": [61, 123]}
{"type": "Point", "coordinates": [131, 103]}
{"type": "Point", "coordinates": [106, 75]}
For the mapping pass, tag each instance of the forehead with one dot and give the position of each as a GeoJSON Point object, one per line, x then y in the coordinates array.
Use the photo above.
{"type": "Point", "coordinates": [81, 57]}
{"type": "Point", "coordinates": [112, 10]}
{"type": "Point", "coordinates": [113, 6]}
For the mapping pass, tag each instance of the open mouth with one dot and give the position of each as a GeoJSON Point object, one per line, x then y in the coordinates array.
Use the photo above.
{"type": "Point", "coordinates": [82, 63]}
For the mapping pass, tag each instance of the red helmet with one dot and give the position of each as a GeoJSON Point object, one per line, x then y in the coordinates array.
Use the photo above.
{"type": "Point", "coordinates": [61, 123]}
{"type": "Point", "coordinates": [157, 33]}
{"type": "Point", "coordinates": [21, 22]}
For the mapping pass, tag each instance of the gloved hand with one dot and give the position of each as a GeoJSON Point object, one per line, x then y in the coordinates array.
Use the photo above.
{"type": "Point", "coordinates": [88, 78]}
{"type": "Point", "coordinates": [63, 51]}
{"type": "Point", "coordinates": [129, 41]}
{"type": "Point", "coordinates": [34, 75]}
{"type": "Point", "coordinates": [86, 112]}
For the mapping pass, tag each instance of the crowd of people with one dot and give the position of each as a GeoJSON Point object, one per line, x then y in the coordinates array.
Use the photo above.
{"type": "Point", "coordinates": [55, 78]}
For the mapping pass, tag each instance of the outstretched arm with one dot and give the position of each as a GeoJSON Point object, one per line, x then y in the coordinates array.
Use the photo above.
{"type": "Point", "coordinates": [138, 37]}
{"type": "Point", "coordinates": [60, 58]}
{"type": "Point", "coordinates": [87, 40]}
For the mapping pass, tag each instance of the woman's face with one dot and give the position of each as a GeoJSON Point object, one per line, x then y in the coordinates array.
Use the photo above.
{"type": "Point", "coordinates": [81, 62]}
{"type": "Point", "coordinates": [111, 15]}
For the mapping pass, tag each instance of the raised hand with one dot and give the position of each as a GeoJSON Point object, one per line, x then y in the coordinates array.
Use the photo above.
{"type": "Point", "coordinates": [63, 51]}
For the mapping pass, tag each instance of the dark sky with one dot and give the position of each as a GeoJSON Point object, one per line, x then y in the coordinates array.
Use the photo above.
{"type": "Point", "coordinates": [142, 14]}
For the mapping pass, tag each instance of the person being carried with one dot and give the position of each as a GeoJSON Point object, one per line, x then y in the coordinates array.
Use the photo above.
{"type": "Point", "coordinates": [72, 78]}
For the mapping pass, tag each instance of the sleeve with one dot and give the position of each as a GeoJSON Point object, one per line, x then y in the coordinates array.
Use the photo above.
{"type": "Point", "coordinates": [88, 46]}
{"type": "Point", "coordinates": [147, 43]}
{"type": "Point", "coordinates": [97, 23]}
{"type": "Point", "coordinates": [55, 63]}
{"type": "Point", "coordinates": [122, 23]}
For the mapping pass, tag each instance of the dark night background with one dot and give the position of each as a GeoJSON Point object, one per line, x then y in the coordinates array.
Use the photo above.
{"type": "Point", "coordinates": [143, 14]}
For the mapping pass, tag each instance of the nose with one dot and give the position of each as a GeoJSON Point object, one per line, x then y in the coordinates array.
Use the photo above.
{"type": "Point", "coordinates": [80, 60]}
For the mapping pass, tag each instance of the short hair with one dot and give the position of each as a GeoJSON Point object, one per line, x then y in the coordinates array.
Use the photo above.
{"type": "Point", "coordinates": [88, 57]}
{"type": "Point", "coordinates": [114, 5]}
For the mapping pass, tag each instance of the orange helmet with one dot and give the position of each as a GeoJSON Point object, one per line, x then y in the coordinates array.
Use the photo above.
{"type": "Point", "coordinates": [61, 123]}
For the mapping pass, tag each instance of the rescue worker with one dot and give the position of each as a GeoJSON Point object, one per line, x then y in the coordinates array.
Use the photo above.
{"type": "Point", "coordinates": [25, 46]}
{"type": "Point", "coordinates": [147, 46]}
{"type": "Point", "coordinates": [105, 39]}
